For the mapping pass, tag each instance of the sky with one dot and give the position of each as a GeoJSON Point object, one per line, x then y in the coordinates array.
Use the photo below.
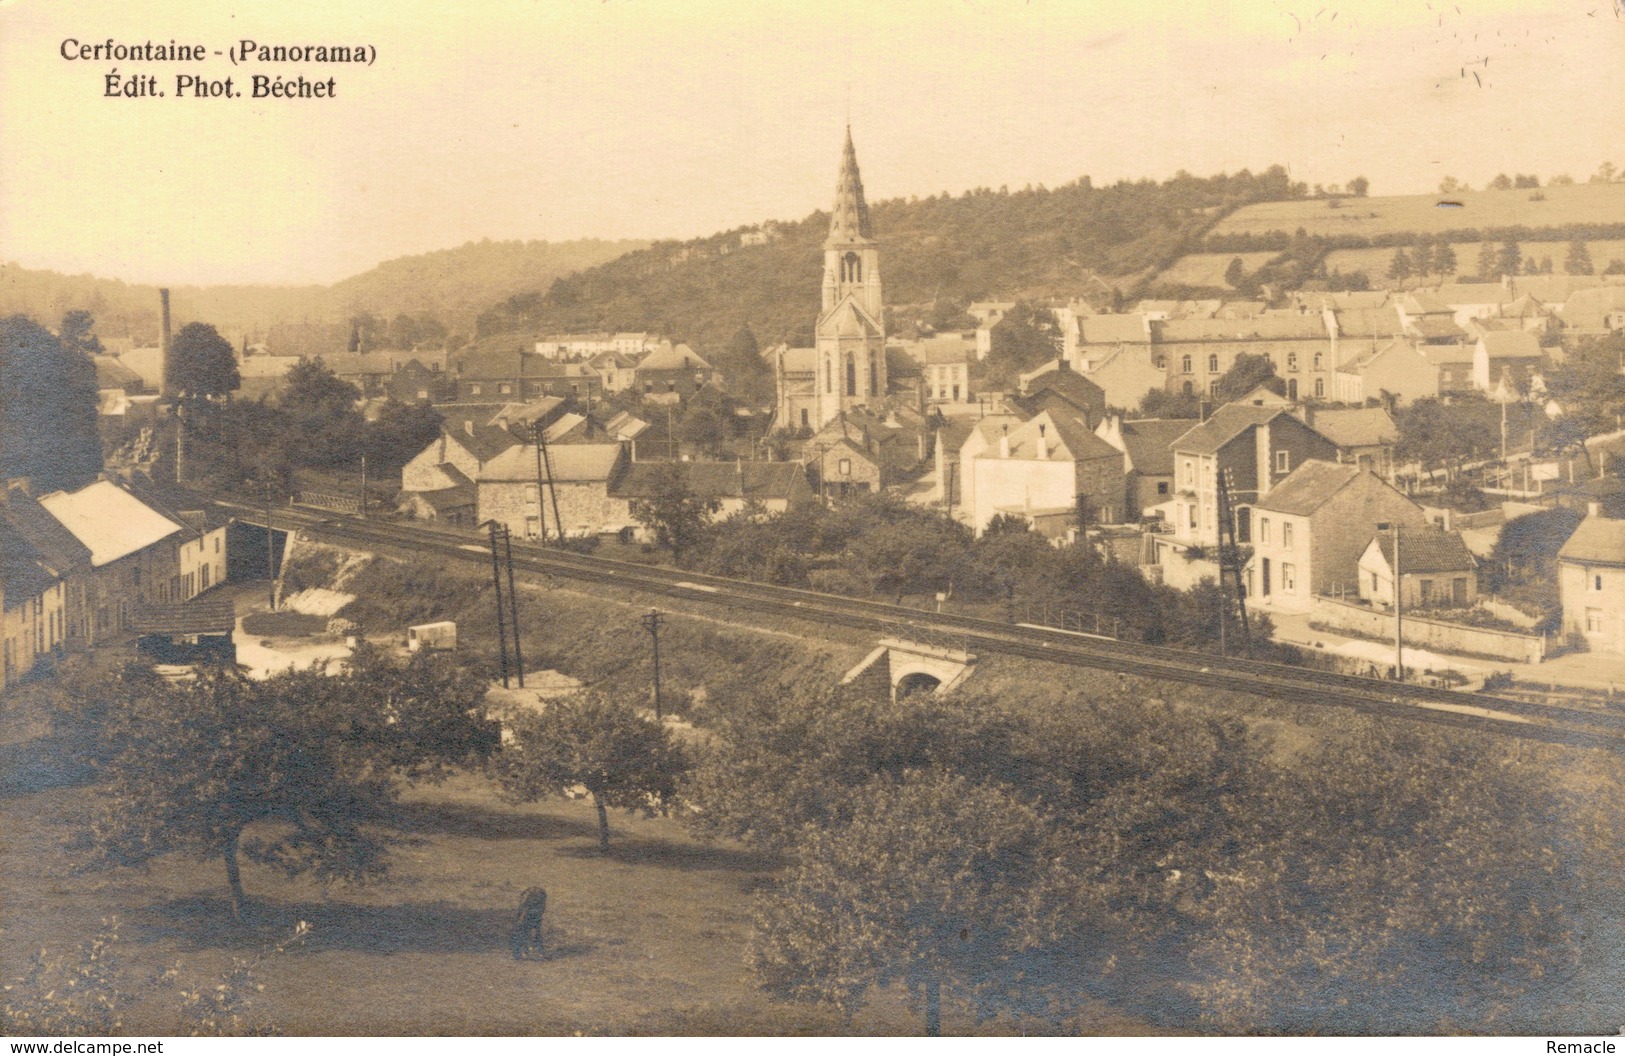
{"type": "Point", "coordinates": [564, 119]}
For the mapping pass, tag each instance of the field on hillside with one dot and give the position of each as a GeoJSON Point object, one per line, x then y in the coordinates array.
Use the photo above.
{"type": "Point", "coordinates": [1422, 214]}
{"type": "Point", "coordinates": [1207, 269]}
{"type": "Point", "coordinates": [1374, 262]}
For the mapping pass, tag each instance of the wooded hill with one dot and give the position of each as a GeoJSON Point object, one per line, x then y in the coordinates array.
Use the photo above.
{"type": "Point", "coordinates": [453, 285]}
{"type": "Point", "coordinates": [1076, 240]}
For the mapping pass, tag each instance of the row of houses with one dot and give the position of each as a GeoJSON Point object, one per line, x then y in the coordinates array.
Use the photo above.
{"type": "Point", "coordinates": [83, 568]}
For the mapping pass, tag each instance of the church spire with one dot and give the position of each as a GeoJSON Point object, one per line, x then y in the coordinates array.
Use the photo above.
{"type": "Point", "coordinates": [849, 220]}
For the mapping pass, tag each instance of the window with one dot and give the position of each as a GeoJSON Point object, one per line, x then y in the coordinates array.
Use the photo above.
{"type": "Point", "coordinates": [533, 527]}
{"type": "Point", "coordinates": [851, 268]}
{"type": "Point", "coordinates": [829, 375]}
{"type": "Point", "coordinates": [1192, 508]}
{"type": "Point", "coordinates": [1213, 363]}
{"type": "Point", "coordinates": [1426, 588]}
{"type": "Point", "coordinates": [1292, 361]}
{"type": "Point", "coordinates": [1213, 387]}
{"type": "Point", "coordinates": [1289, 578]}
{"type": "Point", "coordinates": [1162, 487]}
{"type": "Point", "coordinates": [851, 375]}
{"type": "Point", "coordinates": [1190, 471]}
{"type": "Point", "coordinates": [1320, 387]}
{"type": "Point", "coordinates": [1283, 461]}
{"type": "Point", "coordinates": [474, 389]}
{"type": "Point", "coordinates": [1596, 582]}
{"type": "Point", "coordinates": [1286, 535]}
{"type": "Point", "coordinates": [805, 424]}
{"type": "Point", "coordinates": [1593, 621]}
{"type": "Point", "coordinates": [1319, 358]}
{"type": "Point", "coordinates": [956, 393]}
{"type": "Point", "coordinates": [1292, 389]}
{"type": "Point", "coordinates": [844, 467]}
{"type": "Point", "coordinates": [530, 493]}
{"type": "Point", "coordinates": [1185, 365]}
{"type": "Point", "coordinates": [504, 388]}
{"type": "Point", "coordinates": [874, 376]}
{"type": "Point", "coordinates": [205, 571]}
{"type": "Point", "coordinates": [1187, 388]}
{"type": "Point", "coordinates": [1263, 529]}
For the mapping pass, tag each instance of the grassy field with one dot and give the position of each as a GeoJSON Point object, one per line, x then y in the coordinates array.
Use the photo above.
{"type": "Point", "coordinates": [1207, 269]}
{"type": "Point", "coordinates": [1421, 213]}
{"type": "Point", "coordinates": [1374, 262]}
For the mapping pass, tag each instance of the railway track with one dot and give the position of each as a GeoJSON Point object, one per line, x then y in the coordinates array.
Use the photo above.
{"type": "Point", "coordinates": [1518, 718]}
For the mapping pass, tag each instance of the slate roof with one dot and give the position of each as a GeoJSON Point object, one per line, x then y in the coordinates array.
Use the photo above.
{"type": "Point", "coordinates": [108, 520]}
{"type": "Point", "coordinates": [1150, 444]}
{"type": "Point", "coordinates": [443, 499]}
{"type": "Point", "coordinates": [1511, 344]}
{"type": "Point", "coordinates": [1067, 436]}
{"type": "Point", "coordinates": [485, 442]}
{"type": "Point", "coordinates": [1344, 299]}
{"type": "Point", "coordinates": [1436, 327]}
{"type": "Point", "coordinates": [1426, 550]}
{"type": "Point", "coordinates": [580, 463]}
{"type": "Point", "coordinates": [667, 356]}
{"type": "Point", "coordinates": [1225, 424]}
{"type": "Point", "coordinates": [1307, 488]}
{"type": "Point", "coordinates": [1288, 327]}
{"type": "Point", "coordinates": [111, 374]}
{"type": "Point", "coordinates": [1589, 309]}
{"type": "Point", "coordinates": [761, 481]}
{"type": "Point", "coordinates": [1598, 540]}
{"type": "Point", "coordinates": [1113, 329]}
{"type": "Point", "coordinates": [205, 615]}
{"type": "Point", "coordinates": [1369, 322]}
{"type": "Point", "coordinates": [1357, 427]}
{"type": "Point", "coordinates": [953, 349]}
{"type": "Point", "coordinates": [801, 360]}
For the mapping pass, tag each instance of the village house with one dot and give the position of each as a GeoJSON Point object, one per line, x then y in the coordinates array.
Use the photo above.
{"type": "Point", "coordinates": [772, 487]}
{"type": "Point", "coordinates": [40, 561]}
{"type": "Point", "coordinates": [672, 373]}
{"type": "Point", "coordinates": [945, 371]}
{"type": "Point", "coordinates": [1039, 470]}
{"type": "Point", "coordinates": [1436, 570]}
{"type": "Point", "coordinates": [576, 477]}
{"type": "Point", "coordinates": [1252, 449]}
{"type": "Point", "coordinates": [1042, 387]}
{"type": "Point", "coordinates": [1403, 368]}
{"type": "Point", "coordinates": [437, 484]}
{"type": "Point", "coordinates": [1591, 582]}
{"type": "Point", "coordinates": [1365, 436]}
{"type": "Point", "coordinates": [416, 382]}
{"type": "Point", "coordinates": [1506, 359]}
{"type": "Point", "coordinates": [1148, 459]}
{"type": "Point", "coordinates": [1310, 530]}
{"type": "Point", "coordinates": [617, 370]}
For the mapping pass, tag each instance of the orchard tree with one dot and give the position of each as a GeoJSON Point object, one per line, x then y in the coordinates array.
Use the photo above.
{"type": "Point", "coordinates": [1578, 261]}
{"type": "Point", "coordinates": [935, 882]}
{"type": "Point", "coordinates": [679, 518]}
{"type": "Point", "coordinates": [48, 418]}
{"type": "Point", "coordinates": [297, 771]}
{"type": "Point", "coordinates": [201, 363]}
{"type": "Point", "coordinates": [1359, 186]}
{"type": "Point", "coordinates": [623, 759]}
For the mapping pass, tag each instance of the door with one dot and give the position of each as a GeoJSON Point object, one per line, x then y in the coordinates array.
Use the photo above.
{"type": "Point", "coordinates": [1264, 579]}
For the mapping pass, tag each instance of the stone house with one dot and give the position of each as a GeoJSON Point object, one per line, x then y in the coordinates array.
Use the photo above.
{"type": "Point", "coordinates": [1436, 570]}
{"type": "Point", "coordinates": [1040, 468]}
{"type": "Point", "coordinates": [672, 372]}
{"type": "Point", "coordinates": [1148, 458]}
{"type": "Point", "coordinates": [511, 492]}
{"type": "Point", "coordinates": [1309, 532]}
{"type": "Point", "coordinates": [1591, 582]}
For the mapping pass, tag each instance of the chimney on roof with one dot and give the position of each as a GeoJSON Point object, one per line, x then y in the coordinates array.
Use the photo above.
{"type": "Point", "coordinates": [1593, 509]}
{"type": "Point", "coordinates": [1204, 409]}
{"type": "Point", "coordinates": [1043, 441]}
{"type": "Point", "coordinates": [1004, 443]}
{"type": "Point", "coordinates": [468, 426]}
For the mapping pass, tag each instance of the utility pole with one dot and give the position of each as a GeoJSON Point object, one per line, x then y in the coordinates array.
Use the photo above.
{"type": "Point", "coordinates": [541, 510]}
{"type": "Point", "coordinates": [1399, 641]}
{"type": "Point", "coordinates": [363, 485]}
{"type": "Point", "coordinates": [496, 581]}
{"type": "Point", "coordinates": [513, 607]}
{"type": "Point", "coordinates": [270, 545]}
{"type": "Point", "coordinates": [652, 622]}
{"type": "Point", "coordinates": [1230, 559]}
{"type": "Point", "coordinates": [552, 491]}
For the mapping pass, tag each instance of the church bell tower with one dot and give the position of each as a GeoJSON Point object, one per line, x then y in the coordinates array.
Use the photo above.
{"type": "Point", "coordinates": [851, 337]}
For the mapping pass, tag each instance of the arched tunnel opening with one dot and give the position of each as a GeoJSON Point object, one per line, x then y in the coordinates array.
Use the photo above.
{"type": "Point", "coordinates": [919, 682]}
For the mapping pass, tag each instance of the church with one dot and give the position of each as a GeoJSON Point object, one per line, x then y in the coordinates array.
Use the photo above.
{"type": "Point", "coordinates": [846, 368]}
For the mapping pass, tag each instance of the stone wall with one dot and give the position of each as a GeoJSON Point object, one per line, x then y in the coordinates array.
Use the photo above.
{"type": "Point", "coordinates": [1442, 637]}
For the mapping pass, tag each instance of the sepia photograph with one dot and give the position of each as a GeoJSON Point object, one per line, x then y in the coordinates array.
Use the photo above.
{"type": "Point", "coordinates": [812, 518]}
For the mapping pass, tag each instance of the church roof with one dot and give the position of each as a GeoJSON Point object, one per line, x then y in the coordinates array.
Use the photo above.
{"type": "Point", "coordinates": [848, 320]}
{"type": "Point", "coordinates": [849, 220]}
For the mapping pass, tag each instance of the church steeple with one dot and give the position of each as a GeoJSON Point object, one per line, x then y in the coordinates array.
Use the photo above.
{"type": "Point", "coordinates": [849, 220]}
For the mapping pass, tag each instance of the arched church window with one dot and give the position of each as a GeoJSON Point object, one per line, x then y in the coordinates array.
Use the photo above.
{"type": "Point", "coordinates": [829, 375]}
{"type": "Point", "coordinates": [851, 375]}
{"type": "Point", "coordinates": [851, 268]}
{"type": "Point", "coordinates": [874, 376]}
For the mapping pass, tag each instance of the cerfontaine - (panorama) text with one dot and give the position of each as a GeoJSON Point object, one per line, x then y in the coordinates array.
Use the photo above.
{"type": "Point", "coordinates": [128, 84]}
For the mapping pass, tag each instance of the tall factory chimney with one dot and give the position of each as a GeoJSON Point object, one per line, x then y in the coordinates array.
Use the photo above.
{"type": "Point", "coordinates": [163, 344]}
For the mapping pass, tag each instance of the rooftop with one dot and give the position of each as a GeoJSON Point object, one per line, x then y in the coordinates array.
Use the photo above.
{"type": "Point", "coordinates": [1426, 550]}
{"type": "Point", "coordinates": [108, 520]}
{"type": "Point", "coordinates": [1598, 540]}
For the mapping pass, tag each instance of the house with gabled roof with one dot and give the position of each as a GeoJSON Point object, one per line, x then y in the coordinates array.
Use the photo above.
{"type": "Point", "coordinates": [1506, 358]}
{"type": "Point", "coordinates": [1365, 436]}
{"type": "Point", "coordinates": [1038, 471]}
{"type": "Point", "coordinates": [1402, 367]}
{"type": "Point", "coordinates": [519, 487]}
{"type": "Point", "coordinates": [1591, 582]}
{"type": "Point", "coordinates": [1057, 378]}
{"type": "Point", "coordinates": [734, 486]}
{"type": "Point", "coordinates": [671, 373]}
{"type": "Point", "coordinates": [43, 568]}
{"type": "Point", "coordinates": [1436, 570]}
{"type": "Point", "coordinates": [1252, 449]}
{"type": "Point", "coordinates": [1309, 532]}
{"type": "Point", "coordinates": [1148, 458]}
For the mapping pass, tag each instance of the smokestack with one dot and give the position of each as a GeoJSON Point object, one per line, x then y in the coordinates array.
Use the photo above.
{"type": "Point", "coordinates": [163, 343]}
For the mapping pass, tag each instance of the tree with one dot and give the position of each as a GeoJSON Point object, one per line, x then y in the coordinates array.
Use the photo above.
{"type": "Point", "coordinates": [1247, 373]}
{"type": "Point", "coordinates": [623, 759]}
{"type": "Point", "coordinates": [1562, 179]}
{"type": "Point", "coordinates": [304, 764]}
{"type": "Point", "coordinates": [78, 333]}
{"type": "Point", "coordinates": [1422, 257]}
{"type": "Point", "coordinates": [399, 433]}
{"type": "Point", "coordinates": [935, 882]}
{"type": "Point", "coordinates": [678, 517]}
{"type": "Point", "coordinates": [1026, 337]}
{"type": "Point", "coordinates": [1451, 185]}
{"type": "Point", "coordinates": [1526, 182]}
{"type": "Point", "coordinates": [1578, 261]}
{"type": "Point", "coordinates": [322, 414]}
{"type": "Point", "coordinates": [1235, 275]}
{"type": "Point", "coordinates": [1487, 262]}
{"type": "Point", "coordinates": [1359, 186]}
{"type": "Point", "coordinates": [1605, 173]}
{"type": "Point", "coordinates": [201, 364]}
{"type": "Point", "coordinates": [48, 418]}
{"type": "Point", "coordinates": [1501, 182]}
{"type": "Point", "coordinates": [1399, 267]}
{"type": "Point", "coordinates": [1444, 259]}
{"type": "Point", "coordinates": [1509, 258]}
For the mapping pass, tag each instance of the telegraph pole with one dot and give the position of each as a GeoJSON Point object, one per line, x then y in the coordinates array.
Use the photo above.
{"type": "Point", "coordinates": [270, 545]}
{"type": "Point", "coordinates": [363, 485]}
{"type": "Point", "coordinates": [496, 581]}
{"type": "Point", "coordinates": [513, 608]}
{"type": "Point", "coordinates": [652, 622]}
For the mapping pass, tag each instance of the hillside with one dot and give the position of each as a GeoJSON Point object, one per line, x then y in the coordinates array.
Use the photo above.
{"type": "Point", "coordinates": [453, 284]}
{"type": "Point", "coordinates": [1373, 219]}
{"type": "Point", "coordinates": [1073, 240]}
